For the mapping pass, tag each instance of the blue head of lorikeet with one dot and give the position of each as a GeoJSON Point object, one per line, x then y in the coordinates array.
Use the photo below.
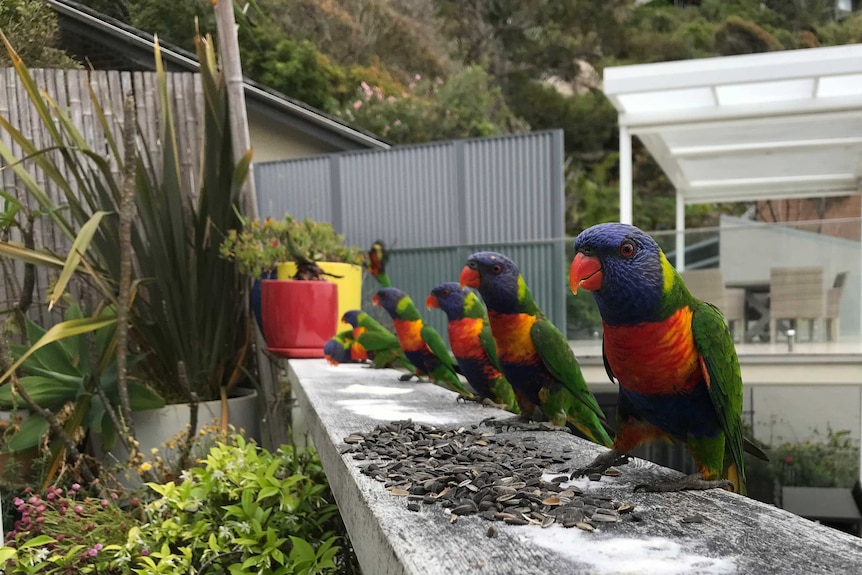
{"type": "Point", "coordinates": [448, 297]}
{"type": "Point", "coordinates": [496, 278]}
{"type": "Point", "coordinates": [350, 317]}
{"type": "Point", "coordinates": [622, 266]}
{"type": "Point", "coordinates": [388, 299]}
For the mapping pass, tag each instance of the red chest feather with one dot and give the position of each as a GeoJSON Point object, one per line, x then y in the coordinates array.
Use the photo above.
{"type": "Point", "coordinates": [512, 333]}
{"type": "Point", "coordinates": [464, 337]}
{"type": "Point", "coordinates": [656, 357]}
{"type": "Point", "coordinates": [409, 334]}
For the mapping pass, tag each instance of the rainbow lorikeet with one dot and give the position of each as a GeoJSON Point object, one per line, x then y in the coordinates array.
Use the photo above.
{"type": "Point", "coordinates": [671, 353]}
{"type": "Point", "coordinates": [534, 355]}
{"type": "Point", "coordinates": [341, 348]}
{"type": "Point", "coordinates": [377, 259]}
{"type": "Point", "coordinates": [374, 342]}
{"type": "Point", "coordinates": [472, 343]}
{"type": "Point", "coordinates": [421, 343]}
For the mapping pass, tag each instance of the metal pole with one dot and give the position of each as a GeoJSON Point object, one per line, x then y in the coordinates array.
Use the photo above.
{"type": "Point", "coordinates": [625, 175]}
{"type": "Point", "coordinates": [680, 231]}
{"type": "Point", "coordinates": [232, 70]}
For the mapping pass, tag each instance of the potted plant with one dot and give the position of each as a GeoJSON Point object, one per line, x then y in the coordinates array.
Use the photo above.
{"type": "Point", "coordinates": [260, 250]}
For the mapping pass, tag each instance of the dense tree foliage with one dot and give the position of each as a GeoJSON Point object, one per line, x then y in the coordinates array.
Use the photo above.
{"type": "Point", "coordinates": [414, 70]}
{"type": "Point", "coordinates": [31, 28]}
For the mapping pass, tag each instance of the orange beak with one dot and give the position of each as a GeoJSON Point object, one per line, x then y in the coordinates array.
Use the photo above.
{"type": "Point", "coordinates": [586, 272]}
{"type": "Point", "coordinates": [431, 302]}
{"type": "Point", "coordinates": [470, 278]}
{"type": "Point", "coordinates": [375, 300]}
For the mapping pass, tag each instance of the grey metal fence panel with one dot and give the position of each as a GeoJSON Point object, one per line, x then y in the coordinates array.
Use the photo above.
{"type": "Point", "coordinates": [301, 187]}
{"type": "Point", "coordinates": [435, 204]}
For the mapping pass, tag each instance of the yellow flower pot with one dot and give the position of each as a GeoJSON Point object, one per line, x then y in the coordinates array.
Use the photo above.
{"type": "Point", "coordinates": [349, 284]}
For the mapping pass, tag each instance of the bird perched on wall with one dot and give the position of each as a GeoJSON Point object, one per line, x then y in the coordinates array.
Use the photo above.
{"type": "Point", "coordinates": [421, 343]}
{"type": "Point", "coordinates": [374, 342]}
{"type": "Point", "coordinates": [533, 354]}
{"type": "Point", "coordinates": [378, 257]}
{"type": "Point", "coordinates": [340, 348]}
{"type": "Point", "coordinates": [472, 343]}
{"type": "Point", "coordinates": [671, 353]}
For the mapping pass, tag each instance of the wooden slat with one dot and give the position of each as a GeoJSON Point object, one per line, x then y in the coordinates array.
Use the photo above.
{"type": "Point", "coordinates": [69, 89]}
{"type": "Point", "coordinates": [735, 534]}
{"type": "Point", "coordinates": [153, 129]}
{"type": "Point", "coordinates": [41, 234]}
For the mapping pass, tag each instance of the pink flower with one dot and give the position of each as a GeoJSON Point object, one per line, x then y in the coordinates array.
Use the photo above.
{"type": "Point", "coordinates": [366, 89]}
{"type": "Point", "coordinates": [76, 486]}
{"type": "Point", "coordinates": [396, 123]}
{"type": "Point", "coordinates": [104, 502]}
{"type": "Point", "coordinates": [78, 509]}
{"type": "Point", "coordinates": [391, 99]}
{"type": "Point", "coordinates": [357, 104]}
{"type": "Point", "coordinates": [144, 552]}
{"type": "Point", "coordinates": [17, 502]}
{"type": "Point", "coordinates": [417, 77]}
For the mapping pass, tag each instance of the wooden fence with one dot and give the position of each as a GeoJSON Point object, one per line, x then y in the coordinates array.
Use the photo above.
{"type": "Point", "coordinates": [71, 91]}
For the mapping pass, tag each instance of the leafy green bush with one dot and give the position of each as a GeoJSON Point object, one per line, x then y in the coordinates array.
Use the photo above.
{"type": "Point", "coordinates": [243, 510]}
{"type": "Point", "coordinates": [466, 105]}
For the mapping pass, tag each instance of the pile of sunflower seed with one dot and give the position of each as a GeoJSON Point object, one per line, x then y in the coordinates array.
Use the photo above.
{"type": "Point", "coordinates": [471, 470]}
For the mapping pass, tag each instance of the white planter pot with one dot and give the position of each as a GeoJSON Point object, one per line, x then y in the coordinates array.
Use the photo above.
{"type": "Point", "coordinates": [156, 428]}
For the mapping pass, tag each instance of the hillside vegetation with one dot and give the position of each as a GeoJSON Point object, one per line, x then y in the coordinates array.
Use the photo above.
{"type": "Point", "coordinates": [421, 70]}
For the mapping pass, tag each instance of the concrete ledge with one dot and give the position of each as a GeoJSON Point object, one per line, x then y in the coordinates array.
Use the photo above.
{"type": "Point", "coordinates": [736, 534]}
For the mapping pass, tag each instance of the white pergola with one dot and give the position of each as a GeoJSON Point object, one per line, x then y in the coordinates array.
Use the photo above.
{"type": "Point", "coordinates": [740, 128]}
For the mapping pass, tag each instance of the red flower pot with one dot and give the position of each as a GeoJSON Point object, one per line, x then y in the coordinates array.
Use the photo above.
{"type": "Point", "coordinates": [298, 316]}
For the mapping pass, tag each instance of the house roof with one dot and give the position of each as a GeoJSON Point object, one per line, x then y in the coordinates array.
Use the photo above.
{"type": "Point", "coordinates": [760, 126]}
{"type": "Point", "coordinates": [111, 36]}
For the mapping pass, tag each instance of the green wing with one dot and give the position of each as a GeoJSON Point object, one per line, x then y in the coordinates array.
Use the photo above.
{"type": "Point", "coordinates": [437, 346]}
{"type": "Point", "coordinates": [489, 345]}
{"type": "Point", "coordinates": [378, 340]}
{"type": "Point", "coordinates": [369, 323]}
{"type": "Point", "coordinates": [714, 344]}
{"type": "Point", "coordinates": [561, 362]}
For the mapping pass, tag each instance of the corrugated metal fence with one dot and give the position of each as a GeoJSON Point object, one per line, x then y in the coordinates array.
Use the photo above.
{"type": "Point", "coordinates": [437, 203]}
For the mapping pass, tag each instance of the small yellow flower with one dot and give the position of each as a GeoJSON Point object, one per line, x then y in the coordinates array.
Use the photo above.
{"type": "Point", "coordinates": [154, 450]}
{"type": "Point", "coordinates": [145, 466]}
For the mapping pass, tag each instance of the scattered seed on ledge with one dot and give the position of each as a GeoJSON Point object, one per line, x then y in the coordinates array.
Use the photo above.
{"type": "Point", "coordinates": [473, 471]}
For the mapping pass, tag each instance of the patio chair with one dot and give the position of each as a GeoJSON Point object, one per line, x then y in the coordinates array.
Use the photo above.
{"type": "Point", "coordinates": [708, 285]}
{"type": "Point", "coordinates": [833, 301]}
{"type": "Point", "coordinates": [796, 294]}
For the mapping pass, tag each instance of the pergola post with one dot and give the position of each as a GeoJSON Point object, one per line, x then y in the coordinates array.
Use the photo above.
{"type": "Point", "coordinates": [625, 175]}
{"type": "Point", "coordinates": [680, 231]}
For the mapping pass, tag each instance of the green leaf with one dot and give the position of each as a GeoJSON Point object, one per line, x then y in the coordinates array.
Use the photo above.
{"type": "Point", "coordinates": [7, 553]}
{"type": "Point", "coordinates": [29, 435]}
{"type": "Point", "coordinates": [142, 396]}
{"type": "Point", "coordinates": [58, 332]}
{"type": "Point", "coordinates": [47, 392]}
{"type": "Point", "coordinates": [37, 541]}
{"type": "Point", "coordinates": [19, 252]}
{"type": "Point", "coordinates": [79, 247]}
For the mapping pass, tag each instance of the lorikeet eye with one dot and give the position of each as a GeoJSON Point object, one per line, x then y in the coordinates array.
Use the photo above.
{"type": "Point", "coordinates": [627, 249]}
{"type": "Point", "coordinates": [445, 292]}
{"type": "Point", "coordinates": [497, 268]}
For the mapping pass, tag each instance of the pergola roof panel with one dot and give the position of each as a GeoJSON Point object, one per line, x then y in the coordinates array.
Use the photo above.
{"type": "Point", "coordinates": [778, 124]}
